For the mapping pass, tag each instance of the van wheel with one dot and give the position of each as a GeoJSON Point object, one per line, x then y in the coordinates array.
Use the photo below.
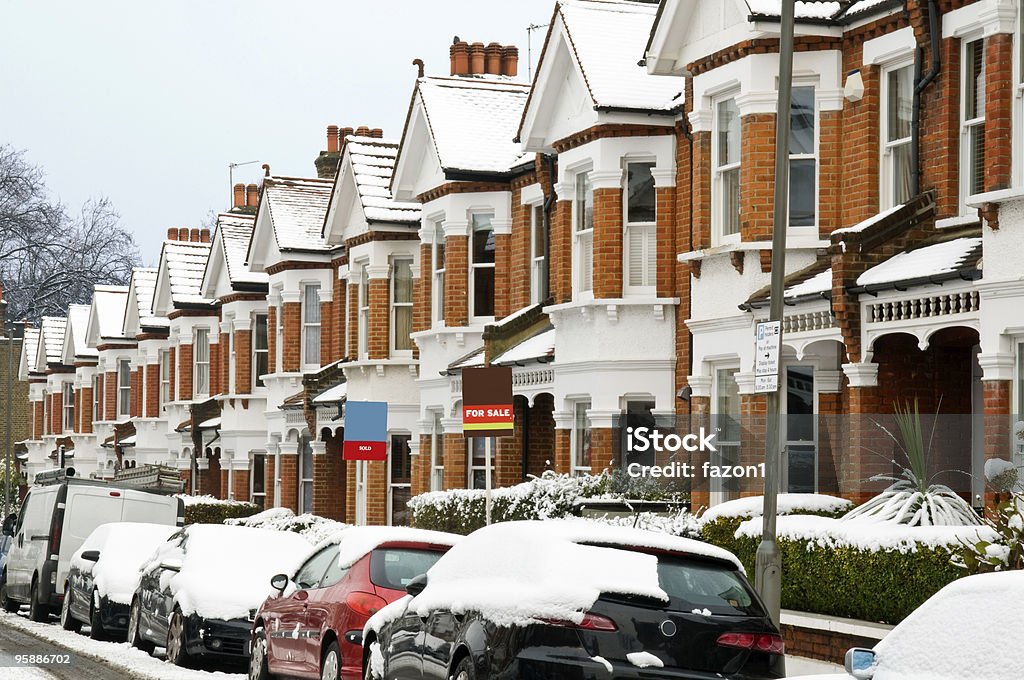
{"type": "Point", "coordinates": [176, 652]}
{"type": "Point", "coordinates": [67, 620]}
{"type": "Point", "coordinates": [135, 638]}
{"type": "Point", "coordinates": [6, 602]}
{"type": "Point", "coordinates": [37, 611]}
{"type": "Point", "coordinates": [96, 631]}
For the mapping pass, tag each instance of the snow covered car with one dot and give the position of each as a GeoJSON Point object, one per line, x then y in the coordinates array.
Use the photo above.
{"type": "Point", "coordinates": [104, 573]}
{"type": "Point", "coordinates": [576, 599]}
{"type": "Point", "coordinates": [199, 591]}
{"type": "Point", "coordinates": [313, 626]}
{"type": "Point", "coordinates": [960, 632]}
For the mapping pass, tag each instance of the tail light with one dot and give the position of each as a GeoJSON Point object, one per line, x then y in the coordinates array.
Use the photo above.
{"type": "Point", "coordinates": [591, 621]}
{"type": "Point", "coordinates": [769, 643]}
{"type": "Point", "coordinates": [366, 604]}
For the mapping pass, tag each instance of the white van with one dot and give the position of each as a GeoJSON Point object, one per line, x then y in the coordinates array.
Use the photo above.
{"type": "Point", "coordinates": [54, 522]}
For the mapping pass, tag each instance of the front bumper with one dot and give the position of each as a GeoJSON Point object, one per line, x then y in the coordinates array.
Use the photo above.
{"type": "Point", "coordinates": [215, 638]}
{"type": "Point", "coordinates": [114, 616]}
{"type": "Point", "coordinates": [560, 663]}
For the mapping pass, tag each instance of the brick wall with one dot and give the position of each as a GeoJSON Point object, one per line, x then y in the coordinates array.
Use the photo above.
{"type": "Point", "coordinates": [37, 419]}
{"type": "Point", "coordinates": [289, 480]}
{"type": "Point", "coordinates": [456, 277]}
{"type": "Point", "coordinates": [380, 322]}
{"type": "Point", "coordinates": [823, 645]}
{"type": "Point", "coordinates": [20, 407]}
{"type": "Point", "coordinates": [376, 493]}
{"type": "Point", "coordinates": [757, 176]}
{"type": "Point", "coordinates": [272, 338]}
{"type": "Point", "coordinates": [56, 413]}
{"type": "Point", "coordinates": [85, 412]}
{"type": "Point", "coordinates": [860, 143]}
{"type": "Point", "coordinates": [518, 250]}
{"type": "Point", "coordinates": [422, 292]}
{"type": "Point", "coordinates": [353, 319]}
{"type": "Point", "coordinates": [240, 485]}
{"type": "Point", "coordinates": [608, 243]}
{"type": "Point", "coordinates": [541, 424]}
{"type": "Point", "coordinates": [110, 393]}
{"type": "Point", "coordinates": [563, 452]}
{"type": "Point", "coordinates": [185, 372]}
{"type": "Point", "coordinates": [152, 373]}
{"type": "Point", "coordinates": [561, 250]}
{"type": "Point", "coordinates": [700, 201]}
{"type": "Point", "coordinates": [998, 111]}
{"type": "Point", "coordinates": [220, 358]}
{"type": "Point", "coordinates": [136, 393]}
{"type": "Point", "coordinates": [291, 351]}
{"type": "Point", "coordinates": [455, 459]}
{"type": "Point", "coordinates": [243, 361]}
{"type": "Point", "coordinates": [330, 481]}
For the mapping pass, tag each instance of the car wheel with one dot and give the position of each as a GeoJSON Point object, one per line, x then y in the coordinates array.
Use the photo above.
{"type": "Point", "coordinates": [465, 670]}
{"type": "Point", "coordinates": [96, 630]}
{"type": "Point", "coordinates": [6, 602]}
{"type": "Point", "coordinates": [176, 652]}
{"type": "Point", "coordinates": [330, 664]}
{"type": "Point", "coordinates": [37, 611]}
{"type": "Point", "coordinates": [258, 667]}
{"type": "Point", "coordinates": [134, 628]}
{"type": "Point", "coordinates": [67, 621]}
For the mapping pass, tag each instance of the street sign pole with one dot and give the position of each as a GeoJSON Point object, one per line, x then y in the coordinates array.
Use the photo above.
{"type": "Point", "coordinates": [768, 566]}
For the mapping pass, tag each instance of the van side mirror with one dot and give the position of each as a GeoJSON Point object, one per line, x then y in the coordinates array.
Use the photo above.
{"type": "Point", "coordinates": [91, 555]}
{"type": "Point", "coordinates": [171, 564]}
{"type": "Point", "coordinates": [9, 523]}
{"type": "Point", "coordinates": [279, 582]}
{"type": "Point", "coordinates": [416, 586]}
{"type": "Point", "coordinates": [860, 663]}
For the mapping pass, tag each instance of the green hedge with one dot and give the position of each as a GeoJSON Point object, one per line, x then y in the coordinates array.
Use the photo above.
{"type": "Point", "coordinates": [216, 513]}
{"type": "Point", "coordinates": [883, 586]}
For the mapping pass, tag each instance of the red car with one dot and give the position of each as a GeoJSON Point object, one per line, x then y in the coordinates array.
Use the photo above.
{"type": "Point", "coordinates": [313, 626]}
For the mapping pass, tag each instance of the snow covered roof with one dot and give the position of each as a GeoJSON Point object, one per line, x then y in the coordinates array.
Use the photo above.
{"type": "Point", "coordinates": [607, 39]}
{"type": "Point", "coordinates": [810, 283]}
{"type": "Point", "coordinates": [472, 360]}
{"type": "Point", "coordinates": [297, 207]}
{"type": "Point", "coordinates": [538, 346]}
{"type": "Point", "coordinates": [29, 347]}
{"type": "Point", "coordinates": [332, 394]}
{"type": "Point", "coordinates": [51, 331]}
{"type": "Point", "coordinates": [372, 162]}
{"type": "Point", "coordinates": [144, 284]}
{"type": "Point", "coordinates": [473, 121]}
{"type": "Point", "coordinates": [75, 337]}
{"type": "Point", "coordinates": [820, 11]}
{"type": "Point", "coordinates": [936, 262]}
{"type": "Point", "coordinates": [234, 232]}
{"type": "Point", "coordinates": [108, 303]}
{"type": "Point", "coordinates": [185, 262]}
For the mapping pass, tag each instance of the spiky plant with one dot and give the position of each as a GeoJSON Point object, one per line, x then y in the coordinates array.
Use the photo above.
{"type": "Point", "coordinates": [912, 499]}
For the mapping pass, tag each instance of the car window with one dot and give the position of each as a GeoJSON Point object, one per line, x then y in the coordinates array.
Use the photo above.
{"type": "Point", "coordinates": [310, 573]}
{"type": "Point", "coordinates": [394, 567]}
{"type": "Point", "coordinates": [692, 584]}
{"type": "Point", "coordinates": [334, 574]}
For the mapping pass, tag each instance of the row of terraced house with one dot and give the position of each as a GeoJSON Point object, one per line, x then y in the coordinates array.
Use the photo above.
{"type": "Point", "coordinates": [605, 232]}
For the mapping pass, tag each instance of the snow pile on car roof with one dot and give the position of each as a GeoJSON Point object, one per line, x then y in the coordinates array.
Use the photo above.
{"type": "Point", "coordinates": [789, 504]}
{"type": "Point", "coordinates": [123, 547]}
{"type": "Point", "coordinates": [226, 570]}
{"type": "Point", "coordinates": [355, 542]}
{"type": "Point", "coordinates": [517, 573]}
{"type": "Point", "coordinates": [966, 630]}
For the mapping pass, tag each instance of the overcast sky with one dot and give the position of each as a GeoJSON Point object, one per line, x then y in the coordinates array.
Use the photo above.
{"type": "Point", "coordinates": [148, 102]}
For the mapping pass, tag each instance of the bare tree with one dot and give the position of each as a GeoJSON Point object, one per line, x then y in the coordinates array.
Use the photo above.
{"type": "Point", "coordinates": [50, 257]}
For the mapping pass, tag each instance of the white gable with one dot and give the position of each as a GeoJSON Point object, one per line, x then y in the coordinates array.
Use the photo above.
{"type": "Point", "coordinates": [263, 250]}
{"type": "Point", "coordinates": [26, 364]}
{"type": "Point", "coordinates": [419, 167]}
{"type": "Point", "coordinates": [216, 281]}
{"type": "Point", "coordinates": [75, 346]}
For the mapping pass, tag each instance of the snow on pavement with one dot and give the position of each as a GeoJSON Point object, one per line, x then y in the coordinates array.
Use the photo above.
{"type": "Point", "coordinates": [135, 662]}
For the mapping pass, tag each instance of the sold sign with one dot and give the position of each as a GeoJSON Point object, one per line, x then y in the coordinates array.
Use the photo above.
{"type": "Point", "coordinates": [487, 402]}
{"type": "Point", "coordinates": [366, 430]}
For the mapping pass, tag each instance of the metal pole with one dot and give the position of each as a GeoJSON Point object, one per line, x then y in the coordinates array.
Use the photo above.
{"type": "Point", "coordinates": [768, 569]}
{"type": "Point", "coordinates": [488, 443]}
{"type": "Point", "coordinates": [10, 422]}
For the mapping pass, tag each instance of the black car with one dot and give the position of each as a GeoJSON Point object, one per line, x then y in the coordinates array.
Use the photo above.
{"type": "Point", "coordinates": [103, 575]}
{"type": "Point", "coordinates": [713, 626]}
{"type": "Point", "coordinates": [199, 592]}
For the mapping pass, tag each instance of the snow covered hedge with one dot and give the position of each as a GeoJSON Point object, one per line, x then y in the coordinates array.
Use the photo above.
{"type": "Point", "coordinates": [313, 528]}
{"type": "Point", "coordinates": [718, 524]}
{"type": "Point", "coordinates": [211, 510]}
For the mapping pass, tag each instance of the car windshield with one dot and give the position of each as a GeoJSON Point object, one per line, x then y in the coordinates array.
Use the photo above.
{"type": "Point", "coordinates": [394, 568]}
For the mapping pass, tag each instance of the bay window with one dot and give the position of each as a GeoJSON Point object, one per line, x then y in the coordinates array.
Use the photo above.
{"type": "Point", "coordinates": [481, 281]}
{"type": "Point", "coordinates": [583, 234]}
{"type": "Point", "coordinates": [399, 480]}
{"type": "Point", "coordinates": [401, 305]}
{"type": "Point", "coordinates": [124, 388]}
{"type": "Point", "coordinates": [641, 241]}
{"type": "Point", "coordinates": [803, 163]}
{"type": "Point", "coordinates": [897, 109]}
{"type": "Point", "coordinates": [437, 454]}
{"type": "Point", "coordinates": [580, 438]}
{"type": "Point", "coordinates": [165, 378]}
{"type": "Point", "coordinates": [305, 475]}
{"type": "Point", "coordinates": [972, 120]}
{"type": "Point", "coordinates": [311, 325]}
{"type": "Point", "coordinates": [201, 362]}
{"type": "Point", "coordinates": [68, 405]}
{"type": "Point", "coordinates": [260, 349]}
{"type": "Point", "coordinates": [725, 158]}
{"type": "Point", "coordinates": [538, 255]}
{"type": "Point", "coordinates": [437, 265]}
{"type": "Point", "coordinates": [725, 420]}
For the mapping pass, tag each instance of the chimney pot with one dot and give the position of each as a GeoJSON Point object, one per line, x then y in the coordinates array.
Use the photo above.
{"type": "Point", "coordinates": [377, 133]}
{"type": "Point", "coordinates": [252, 195]}
{"type": "Point", "coordinates": [239, 190]}
{"type": "Point", "coordinates": [204, 235]}
{"type": "Point", "coordinates": [460, 58]}
{"type": "Point", "coordinates": [172, 233]}
{"type": "Point", "coordinates": [362, 131]}
{"type": "Point", "coordinates": [476, 58]}
{"type": "Point", "coordinates": [492, 59]}
{"type": "Point", "coordinates": [510, 61]}
{"type": "Point", "coordinates": [194, 235]}
{"type": "Point", "coordinates": [332, 139]}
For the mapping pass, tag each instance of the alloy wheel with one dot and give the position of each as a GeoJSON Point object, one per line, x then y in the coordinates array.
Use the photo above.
{"type": "Point", "coordinates": [133, 624]}
{"type": "Point", "coordinates": [175, 639]}
{"type": "Point", "coordinates": [331, 667]}
{"type": "Point", "coordinates": [258, 658]}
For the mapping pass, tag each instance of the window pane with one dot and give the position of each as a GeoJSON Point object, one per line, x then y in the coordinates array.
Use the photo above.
{"type": "Point", "coordinates": [311, 306]}
{"type": "Point", "coordinates": [802, 193]}
{"type": "Point", "coordinates": [641, 199]}
{"type": "Point", "coordinates": [260, 332]}
{"type": "Point", "coordinates": [439, 245]}
{"type": "Point", "coordinates": [729, 132]}
{"type": "Point", "coordinates": [727, 406]}
{"type": "Point", "coordinates": [800, 468]}
{"type": "Point", "coordinates": [539, 233]}
{"type": "Point", "coordinates": [976, 177]}
{"type": "Point", "coordinates": [800, 403]}
{"type": "Point", "coordinates": [730, 188]}
{"type": "Point", "coordinates": [901, 93]}
{"type": "Point", "coordinates": [974, 75]}
{"type": "Point", "coordinates": [483, 240]}
{"type": "Point", "coordinates": [584, 202]}
{"type": "Point", "coordinates": [401, 460]}
{"type": "Point", "coordinates": [403, 327]}
{"type": "Point", "coordinates": [801, 134]}
{"type": "Point", "coordinates": [901, 171]}
{"type": "Point", "coordinates": [403, 281]}
{"type": "Point", "coordinates": [582, 426]}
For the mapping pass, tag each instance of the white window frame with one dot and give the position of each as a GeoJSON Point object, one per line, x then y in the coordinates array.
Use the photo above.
{"type": "Point", "coordinates": [967, 126]}
{"type": "Point", "coordinates": [67, 406]}
{"type": "Point", "coordinates": [718, 171]}
{"type": "Point", "coordinates": [490, 451]}
{"type": "Point", "coordinates": [253, 494]}
{"type": "Point", "coordinates": [540, 278]}
{"type": "Point", "coordinates": [200, 364]}
{"type": "Point", "coordinates": [718, 487]}
{"type": "Point", "coordinates": [232, 363]}
{"type": "Point", "coordinates": [582, 238]}
{"type": "Point", "coordinates": [124, 388]}
{"type": "Point", "coordinates": [311, 324]}
{"type": "Point", "coordinates": [580, 437]}
{"type": "Point", "coordinates": [392, 485]}
{"type": "Point", "coordinates": [96, 396]}
{"type": "Point", "coordinates": [363, 320]}
{"type": "Point", "coordinates": [164, 363]}
{"type": "Point", "coordinates": [278, 332]}
{"type": "Point", "coordinates": [474, 266]}
{"type": "Point", "coordinates": [438, 251]}
{"type": "Point", "coordinates": [255, 380]}
{"type": "Point", "coordinates": [46, 412]}
{"type": "Point", "coordinates": [887, 174]}
{"type": "Point", "coordinates": [436, 452]}
{"type": "Point", "coordinates": [305, 474]}
{"type": "Point", "coordinates": [815, 156]}
{"type": "Point", "coordinates": [784, 429]}
{"type": "Point", "coordinates": [647, 230]}
{"type": "Point", "coordinates": [396, 262]}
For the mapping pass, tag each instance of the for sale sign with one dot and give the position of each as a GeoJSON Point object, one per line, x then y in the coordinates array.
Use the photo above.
{"type": "Point", "coordinates": [487, 402]}
{"type": "Point", "coordinates": [366, 430]}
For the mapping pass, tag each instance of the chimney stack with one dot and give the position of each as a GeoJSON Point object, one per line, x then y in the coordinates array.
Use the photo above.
{"type": "Point", "coordinates": [459, 52]}
{"type": "Point", "coordinates": [332, 139]}
{"type": "Point", "coordinates": [252, 195]}
{"type": "Point", "coordinates": [239, 191]}
{"type": "Point", "coordinates": [194, 235]}
{"type": "Point", "coordinates": [204, 235]}
{"type": "Point", "coordinates": [510, 61]}
{"type": "Point", "coordinates": [476, 59]}
{"type": "Point", "coordinates": [362, 131]}
{"type": "Point", "coordinates": [492, 59]}
{"type": "Point", "coordinates": [172, 233]}
{"type": "Point", "coordinates": [377, 133]}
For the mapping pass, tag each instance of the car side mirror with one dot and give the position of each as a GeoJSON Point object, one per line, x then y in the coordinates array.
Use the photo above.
{"type": "Point", "coordinates": [279, 582]}
{"type": "Point", "coordinates": [171, 565]}
{"type": "Point", "coordinates": [416, 586]}
{"type": "Point", "coordinates": [91, 555]}
{"type": "Point", "coordinates": [860, 663]}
